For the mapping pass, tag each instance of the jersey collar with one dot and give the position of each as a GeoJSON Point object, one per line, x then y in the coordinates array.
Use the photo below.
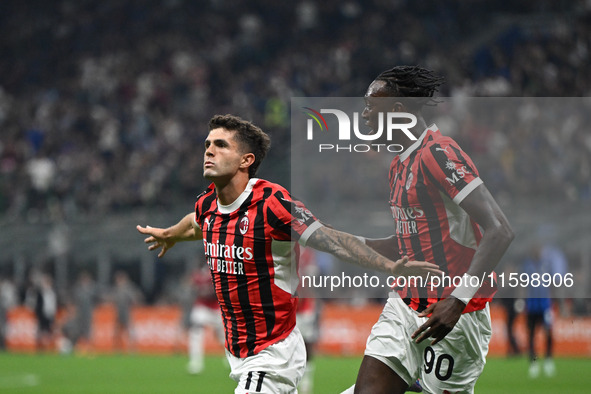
{"type": "Point", "coordinates": [241, 198]}
{"type": "Point", "coordinates": [404, 155]}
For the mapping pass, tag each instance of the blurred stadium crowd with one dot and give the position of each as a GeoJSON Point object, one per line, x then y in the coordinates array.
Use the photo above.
{"type": "Point", "coordinates": [104, 105]}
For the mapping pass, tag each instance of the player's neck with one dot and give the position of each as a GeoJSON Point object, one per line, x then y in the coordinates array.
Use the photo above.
{"type": "Point", "coordinates": [416, 131]}
{"type": "Point", "coordinates": [228, 191]}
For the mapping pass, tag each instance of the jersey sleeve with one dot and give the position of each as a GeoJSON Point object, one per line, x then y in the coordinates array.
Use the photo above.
{"type": "Point", "coordinates": [197, 215]}
{"type": "Point", "coordinates": [290, 219]}
{"type": "Point", "coordinates": [202, 204]}
{"type": "Point", "coordinates": [451, 169]}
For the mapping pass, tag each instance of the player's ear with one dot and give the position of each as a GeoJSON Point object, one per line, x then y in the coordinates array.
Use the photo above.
{"type": "Point", "coordinates": [398, 107]}
{"type": "Point", "coordinates": [247, 160]}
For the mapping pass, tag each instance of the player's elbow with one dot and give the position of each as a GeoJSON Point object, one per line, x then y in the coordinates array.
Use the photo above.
{"type": "Point", "coordinates": [510, 233]}
{"type": "Point", "coordinates": [504, 234]}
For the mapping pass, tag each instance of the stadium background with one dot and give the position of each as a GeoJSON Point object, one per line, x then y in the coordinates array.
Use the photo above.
{"type": "Point", "coordinates": [104, 107]}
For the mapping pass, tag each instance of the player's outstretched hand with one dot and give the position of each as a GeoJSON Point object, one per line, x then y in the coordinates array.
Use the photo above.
{"type": "Point", "coordinates": [156, 239]}
{"type": "Point", "coordinates": [444, 316]}
{"type": "Point", "coordinates": [405, 267]}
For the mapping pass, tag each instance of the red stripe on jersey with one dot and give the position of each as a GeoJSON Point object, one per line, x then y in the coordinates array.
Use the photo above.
{"type": "Point", "coordinates": [241, 246]}
{"type": "Point", "coordinates": [427, 182]}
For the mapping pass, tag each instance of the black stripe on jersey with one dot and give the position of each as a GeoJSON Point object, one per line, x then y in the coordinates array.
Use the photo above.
{"type": "Point", "coordinates": [396, 197]}
{"type": "Point", "coordinates": [441, 158]}
{"type": "Point", "coordinates": [393, 199]}
{"type": "Point", "coordinates": [242, 282]}
{"type": "Point", "coordinates": [278, 224]}
{"type": "Point", "coordinates": [414, 238]}
{"type": "Point", "coordinates": [296, 209]}
{"type": "Point", "coordinates": [286, 202]}
{"type": "Point", "coordinates": [264, 277]}
{"type": "Point", "coordinates": [204, 207]}
{"type": "Point", "coordinates": [463, 160]}
{"type": "Point", "coordinates": [205, 204]}
{"type": "Point", "coordinates": [435, 232]}
{"type": "Point", "coordinates": [407, 298]}
{"type": "Point", "coordinates": [392, 178]}
{"type": "Point", "coordinates": [415, 241]}
{"type": "Point", "coordinates": [274, 221]}
{"type": "Point", "coordinates": [203, 193]}
{"type": "Point", "coordinates": [224, 288]}
{"type": "Point", "coordinates": [434, 180]}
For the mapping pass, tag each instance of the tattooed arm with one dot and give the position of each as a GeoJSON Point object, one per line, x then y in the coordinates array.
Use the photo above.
{"type": "Point", "coordinates": [349, 248]}
{"type": "Point", "coordinates": [385, 246]}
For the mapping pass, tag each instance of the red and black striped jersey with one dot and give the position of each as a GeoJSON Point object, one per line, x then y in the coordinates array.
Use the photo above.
{"type": "Point", "coordinates": [251, 249]}
{"type": "Point", "coordinates": [428, 181]}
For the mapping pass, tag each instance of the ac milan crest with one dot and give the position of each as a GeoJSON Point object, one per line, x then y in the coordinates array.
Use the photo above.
{"type": "Point", "coordinates": [409, 181]}
{"type": "Point", "coordinates": [244, 222]}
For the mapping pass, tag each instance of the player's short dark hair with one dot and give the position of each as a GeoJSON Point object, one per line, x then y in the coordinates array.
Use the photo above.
{"type": "Point", "coordinates": [413, 82]}
{"type": "Point", "coordinates": [250, 137]}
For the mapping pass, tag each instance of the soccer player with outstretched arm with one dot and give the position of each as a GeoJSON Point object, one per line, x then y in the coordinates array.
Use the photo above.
{"type": "Point", "coordinates": [250, 230]}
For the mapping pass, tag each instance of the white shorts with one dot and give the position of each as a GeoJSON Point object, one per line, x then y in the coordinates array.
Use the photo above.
{"type": "Point", "coordinates": [453, 364]}
{"type": "Point", "coordinates": [276, 369]}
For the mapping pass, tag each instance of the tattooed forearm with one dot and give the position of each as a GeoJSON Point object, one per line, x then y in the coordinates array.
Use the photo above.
{"type": "Point", "coordinates": [348, 248]}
